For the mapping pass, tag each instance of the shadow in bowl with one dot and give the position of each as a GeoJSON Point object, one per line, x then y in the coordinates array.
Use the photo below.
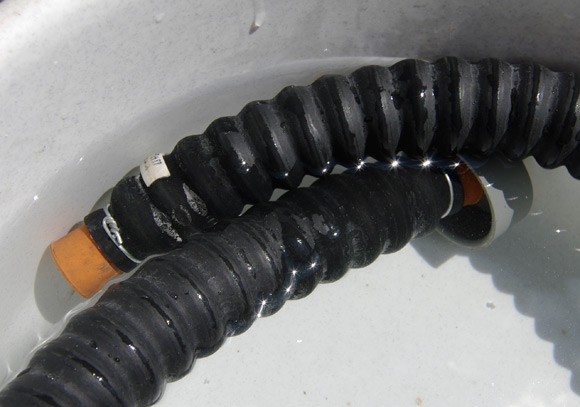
{"type": "Point", "coordinates": [536, 263]}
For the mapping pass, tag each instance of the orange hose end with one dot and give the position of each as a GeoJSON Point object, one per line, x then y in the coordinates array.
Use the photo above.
{"type": "Point", "coordinates": [472, 189]}
{"type": "Point", "coordinates": [81, 262]}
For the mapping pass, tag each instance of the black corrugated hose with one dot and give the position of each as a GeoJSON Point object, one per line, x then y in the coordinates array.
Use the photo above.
{"type": "Point", "coordinates": [181, 305]}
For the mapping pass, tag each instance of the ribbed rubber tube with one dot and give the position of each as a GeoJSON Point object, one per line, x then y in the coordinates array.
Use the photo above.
{"type": "Point", "coordinates": [447, 107]}
{"type": "Point", "coordinates": [179, 306]}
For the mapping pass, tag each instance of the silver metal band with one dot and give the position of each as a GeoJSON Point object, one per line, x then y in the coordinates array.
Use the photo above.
{"type": "Point", "coordinates": [114, 233]}
{"type": "Point", "coordinates": [451, 199]}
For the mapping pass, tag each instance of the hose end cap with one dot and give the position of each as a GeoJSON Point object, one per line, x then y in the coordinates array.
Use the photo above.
{"type": "Point", "coordinates": [472, 189]}
{"type": "Point", "coordinates": [81, 262]}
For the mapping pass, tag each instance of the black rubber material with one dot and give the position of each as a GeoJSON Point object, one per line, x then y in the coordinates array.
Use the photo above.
{"type": "Point", "coordinates": [182, 305]}
{"type": "Point", "coordinates": [179, 306]}
{"type": "Point", "coordinates": [446, 107]}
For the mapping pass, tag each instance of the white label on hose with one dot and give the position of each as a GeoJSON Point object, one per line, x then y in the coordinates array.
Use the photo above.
{"type": "Point", "coordinates": [154, 168]}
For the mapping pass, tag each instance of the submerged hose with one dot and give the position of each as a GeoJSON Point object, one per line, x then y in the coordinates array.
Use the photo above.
{"type": "Point", "coordinates": [179, 306]}
{"type": "Point", "coordinates": [447, 107]}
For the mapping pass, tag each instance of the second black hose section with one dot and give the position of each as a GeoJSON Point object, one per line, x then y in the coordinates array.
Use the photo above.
{"type": "Point", "coordinates": [179, 306]}
{"type": "Point", "coordinates": [447, 107]}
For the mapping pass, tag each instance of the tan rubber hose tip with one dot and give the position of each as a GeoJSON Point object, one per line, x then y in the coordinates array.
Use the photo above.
{"type": "Point", "coordinates": [472, 189]}
{"type": "Point", "coordinates": [81, 262]}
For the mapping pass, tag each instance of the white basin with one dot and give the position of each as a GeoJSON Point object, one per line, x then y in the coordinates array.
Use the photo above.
{"type": "Point", "coordinates": [90, 88]}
